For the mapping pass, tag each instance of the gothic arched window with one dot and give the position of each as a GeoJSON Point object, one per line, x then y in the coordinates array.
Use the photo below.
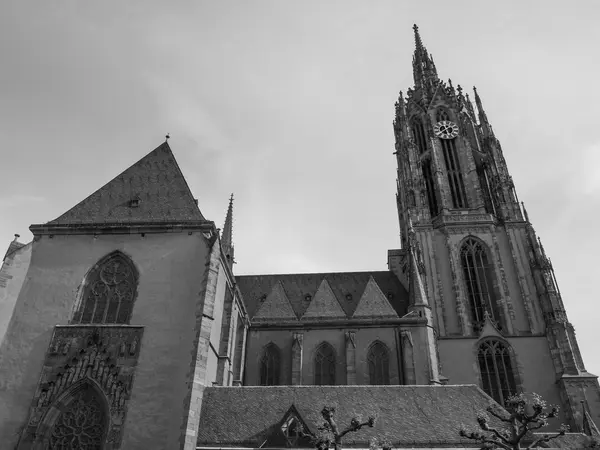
{"type": "Point", "coordinates": [81, 424]}
{"type": "Point", "coordinates": [270, 366]}
{"type": "Point", "coordinates": [496, 369]}
{"type": "Point", "coordinates": [325, 365]}
{"type": "Point", "coordinates": [109, 291]}
{"type": "Point", "coordinates": [441, 115]}
{"type": "Point", "coordinates": [430, 187]}
{"type": "Point", "coordinates": [419, 135]}
{"type": "Point", "coordinates": [478, 274]}
{"type": "Point", "coordinates": [379, 364]}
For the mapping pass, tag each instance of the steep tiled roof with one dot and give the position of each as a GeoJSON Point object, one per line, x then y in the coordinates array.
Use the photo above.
{"type": "Point", "coordinates": [569, 440]}
{"type": "Point", "coordinates": [348, 288]}
{"type": "Point", "coordinates": [405, 415]}
{"type": "Point", "coordinates": [151, 190]}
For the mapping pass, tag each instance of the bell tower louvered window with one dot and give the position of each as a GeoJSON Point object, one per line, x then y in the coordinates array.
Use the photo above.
{"type": "Point", "coordinates": [324, 365]}
{"type": "Point", "coordinates": [379, 364]}
{"type": "Point", "coordinates": [455, 176]}
{"type": "Point", "coordinates": [109, 291]}
{"type": "Point", "coordinates": [496, 369]}
{"type": "Point", "coordinates": [270, 366]}
{"type": "Point", "coordinates": [478, 277]}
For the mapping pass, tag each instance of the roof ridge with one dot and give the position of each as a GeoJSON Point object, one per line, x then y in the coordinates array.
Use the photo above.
{"type": "Point", "coordinates": [314, 273]}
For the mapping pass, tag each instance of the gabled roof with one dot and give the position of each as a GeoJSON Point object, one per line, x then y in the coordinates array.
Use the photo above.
{"type": "Point", "coordinates": [151, 190]}
{"type": "Point", "coordinates": [347, 287]}
{"type": "Point", "coordinates": [373, 303]}
{"type": "Point", "coordinates": [410, 416]}
{"type": "Point", "coordinates": [276, 306]}
{"type": "Point", "coordinates": [324, 305]}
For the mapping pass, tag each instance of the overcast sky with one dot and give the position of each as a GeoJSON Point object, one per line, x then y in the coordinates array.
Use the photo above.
{"type": "Point", "coordinates": [290, 106]}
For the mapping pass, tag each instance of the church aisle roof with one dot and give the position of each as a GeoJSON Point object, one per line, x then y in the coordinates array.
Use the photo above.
{"type": "Point", "coordinates": [348, 287]}
{"type": "Point", "coordinates": [405, 415]}
{"type": "Point", "coordinates": [151, 190]}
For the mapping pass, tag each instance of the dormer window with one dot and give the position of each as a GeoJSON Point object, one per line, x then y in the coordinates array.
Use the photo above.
{"type": "Point", "coordinates": [134, 202]}
{"type": "Point", "coordinates": [292, 430]}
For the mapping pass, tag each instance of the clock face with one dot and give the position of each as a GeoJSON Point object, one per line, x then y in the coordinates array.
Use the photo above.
{"type": "Point", "coordinates": [446, 129]}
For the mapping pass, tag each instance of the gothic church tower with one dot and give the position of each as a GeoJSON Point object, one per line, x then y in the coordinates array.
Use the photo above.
{"type": "Point", "coordinates": [497, 310]}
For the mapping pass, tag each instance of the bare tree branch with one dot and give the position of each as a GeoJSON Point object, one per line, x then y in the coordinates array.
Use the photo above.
{"type": "Point", "coordinates": [527, 414]}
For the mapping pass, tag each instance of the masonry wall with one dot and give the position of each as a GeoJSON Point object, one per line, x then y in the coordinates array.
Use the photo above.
{"type": "Point", "coordinates": [12, 275]}
{"type": "Point", "coordinates": [532, 354]}
{"type": "Point", "coordinates": [171, 272]}
{"type": "Point", "coordinates": [312, 338]}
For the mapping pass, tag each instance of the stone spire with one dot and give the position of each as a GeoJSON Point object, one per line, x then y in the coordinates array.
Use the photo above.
{"type": "Point", "coordinates": [424, 71]}
{"type": "Point", "coordinates": [227, 235]}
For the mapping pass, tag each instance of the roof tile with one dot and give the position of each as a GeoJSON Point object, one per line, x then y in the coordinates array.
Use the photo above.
{"type": "Point", "coordinates": [151, 190]}
{"type": "Point", "coordinates": [405, 415]}
{"type": "Point", "coordinates": [347, 287]}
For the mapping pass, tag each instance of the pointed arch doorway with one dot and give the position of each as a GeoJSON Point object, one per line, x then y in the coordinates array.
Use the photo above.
{"type": "Point", "coordinates": [78, 420]}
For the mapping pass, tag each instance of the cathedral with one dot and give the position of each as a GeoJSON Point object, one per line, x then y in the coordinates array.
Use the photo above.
{"type": "Point", "coordinates": [124, 326]}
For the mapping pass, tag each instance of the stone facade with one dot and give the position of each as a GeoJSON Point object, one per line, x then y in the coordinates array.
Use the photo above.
{"type": "Point", "coordinates": [196, 331]}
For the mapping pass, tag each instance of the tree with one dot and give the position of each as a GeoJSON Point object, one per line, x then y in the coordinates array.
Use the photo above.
{"type": "Point", "coordinates": [329, 434]}
{"type": "Point", "coordinates": [525, 415]}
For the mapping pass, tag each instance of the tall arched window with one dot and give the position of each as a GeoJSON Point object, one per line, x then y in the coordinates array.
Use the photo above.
{"type": "Point", "coordinates": [325, 365]}
{"type": "Point", "coordinates": [419, 135]}
{"type": "Point", "coordinates": [478, 274]}
{"type": "Point", "coordinates": [430, 187]}
{"type": "Point", "coordinates": [270, 366]}
{"type": "Point", "coordinates": [496, 369]}
{"type": "Point", "coordinates": [379, 364]}
{"type": "Point", "coordinates": [455, 176]}
{"type": "Point", "coordinates": [81, 424]}
{"type": "Point", "coordinates": [109, 291]}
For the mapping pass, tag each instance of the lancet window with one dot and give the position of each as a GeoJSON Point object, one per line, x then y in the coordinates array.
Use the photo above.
{"type": "Point", "coordinates": [478, 276]}
{"type": "Point", "coordinates": [270, 366]}
{"type": "Point", "coordinates": [324, 365]}
{"type": "Point", "coordinates": [419, 135]}
{"type": "Point", "coordinates": [455, 176]}
{"type": "Point", "coordinates": [430, 187]}
{"type": "Point", "coordinates": [109, 291]}
{"type": "Point", "coordinates": [379, 364]}
{"type": "Point", "coordinates": [496, 370]}
{"type": "Point", "coordinates": [442, 115]}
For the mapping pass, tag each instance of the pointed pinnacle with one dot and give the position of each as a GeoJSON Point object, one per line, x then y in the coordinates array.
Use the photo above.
{"type": "Point", "coordinates": [418, 42]}
{"type": "Point", "coordinates": [525, 212]}
{"type": "Point", "coordinates": [227, 236]}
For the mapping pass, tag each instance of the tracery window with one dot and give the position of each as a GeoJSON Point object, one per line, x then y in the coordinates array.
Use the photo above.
{"type": "Point", "coordinates": [109, 292]}
{"type": "Point", "coordinates": [455, 176]}
{"type": "Point", "coordinates": [442, 115]}
{"type": "Point", "coordinates": [324, 365]}
{"type": "Point", "coordinates": [379, 364]}
{"type": "Point", "coordinates": [82, 425]}
{"type": "Point", "coordinates": [478, 275]}
{"type": "Point", "coordinates": [419, 135]}
{"type": "Point", "coordinates": [497, 374]}
{"type": "Point", "coordinates": [270, 366]}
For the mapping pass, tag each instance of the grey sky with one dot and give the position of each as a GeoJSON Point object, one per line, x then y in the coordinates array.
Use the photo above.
{"type": "Point", "coordinates": [289, 105]}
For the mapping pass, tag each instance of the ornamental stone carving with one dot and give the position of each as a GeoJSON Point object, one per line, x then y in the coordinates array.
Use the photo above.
{"type": "Point", "coordinates": [77, 355]}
